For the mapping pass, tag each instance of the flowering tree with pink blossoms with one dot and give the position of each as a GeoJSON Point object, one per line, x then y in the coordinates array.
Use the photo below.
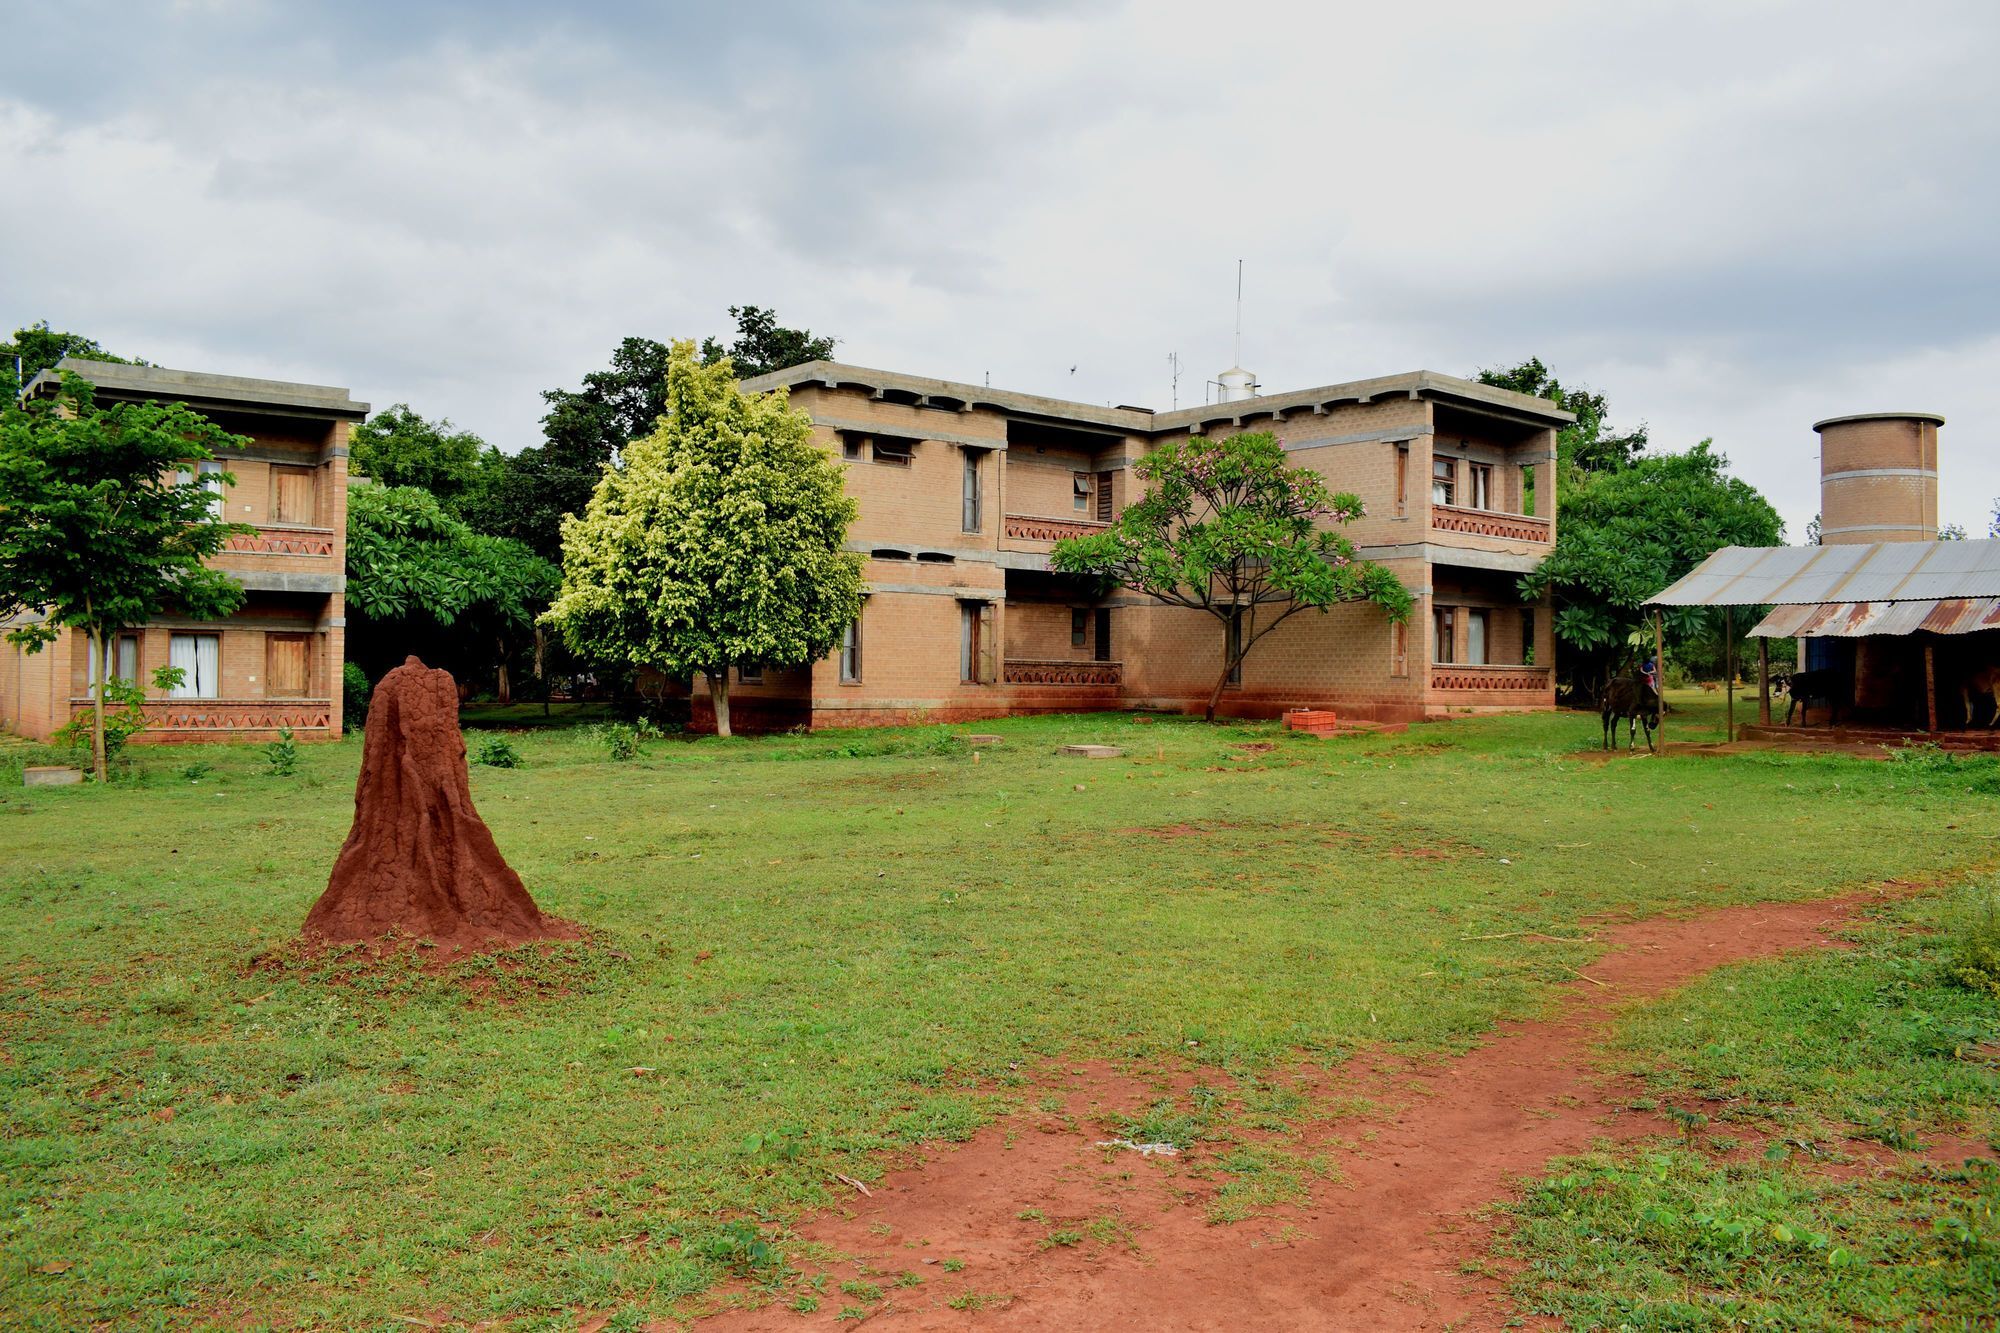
{"type": "Point", "coordinates": [1225, 526]}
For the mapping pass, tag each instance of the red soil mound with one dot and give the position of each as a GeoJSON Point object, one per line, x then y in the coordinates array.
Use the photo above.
{"type": "Point", "coordinates": [419, 860]}
{"type": "Point", "coordinates": [1396, 1242]}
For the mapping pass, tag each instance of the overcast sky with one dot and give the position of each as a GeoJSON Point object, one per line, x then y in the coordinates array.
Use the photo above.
{"type": "Point", "coordinates": [1732, 218]}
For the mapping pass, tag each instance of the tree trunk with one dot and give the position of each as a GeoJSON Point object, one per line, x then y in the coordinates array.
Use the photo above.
{"type": "Point", "coordinates": [1215, 695]}
{"type": "Point", "coordinates": [542, 667]}
{"type": "Point", "coordinates": [97, 757]}
{"type": "Point", "coordinates": [503, 689]}
{"type": "Point", "coordinates": [718, 697]}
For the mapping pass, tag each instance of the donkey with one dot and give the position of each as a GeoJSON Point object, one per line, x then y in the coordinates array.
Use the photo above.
{"type": "Point", "coordinates": [1630, 698]}
{"type": "Point", "coordinates": [1809, 687]}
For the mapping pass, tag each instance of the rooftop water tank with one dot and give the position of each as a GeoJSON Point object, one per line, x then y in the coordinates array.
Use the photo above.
{"type": "Point", "coordinates": [1878, 479]}
{"type": "Point", "coordinates": [1237, 384]}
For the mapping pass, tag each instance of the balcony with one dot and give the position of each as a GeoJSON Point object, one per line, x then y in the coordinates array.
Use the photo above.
{"type": "Point", "coordinates": [281, 541]}
{"type": "Point", "coordinates": [1489, 523]}
{"type": "Point", "coordinates": [1032, 671]}
{"type": "Point", "coordinates": [1489, 679]}
{"type": "Point", "coordinates": [1027, 527]}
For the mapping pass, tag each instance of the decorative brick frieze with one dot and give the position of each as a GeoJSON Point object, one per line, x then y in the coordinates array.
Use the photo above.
{"type": "Point", "coordinates": [1028, 671]}
{"type": "Point", "coordinates": [1489, 523]}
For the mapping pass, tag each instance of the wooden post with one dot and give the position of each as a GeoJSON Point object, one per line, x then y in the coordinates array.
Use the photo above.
{"type": "Point", "coordinates": [1930, 682]}
{"type": "Point", "coordinates": [1763, 682]}
{"type": "Point", "coordinates": [1729, 669]}
{"type": "Point", "coordinates": [1660, 667]}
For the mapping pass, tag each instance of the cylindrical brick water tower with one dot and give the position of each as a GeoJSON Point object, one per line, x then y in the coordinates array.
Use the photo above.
{"type": "Point", "coordinates": [1878, 478]}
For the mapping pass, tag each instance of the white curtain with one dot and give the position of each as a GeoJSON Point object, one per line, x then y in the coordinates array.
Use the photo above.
{"type": "Point", "coordinates": [199, 657]}
{"type": "Point", "coordinates": [1475, 638]}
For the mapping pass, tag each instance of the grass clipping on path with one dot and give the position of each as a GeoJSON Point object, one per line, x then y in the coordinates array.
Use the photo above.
{"type": "Point", "coordinates": [811, 954]}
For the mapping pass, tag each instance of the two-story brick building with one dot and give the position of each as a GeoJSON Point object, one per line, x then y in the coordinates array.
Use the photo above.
{"type": "Point", "coordinates": [274, 663]}
{"type": "Point", "coordinates": [963, 490]}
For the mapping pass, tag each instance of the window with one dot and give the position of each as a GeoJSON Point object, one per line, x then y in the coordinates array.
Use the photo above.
{"type": "Point", "coordinates": [1475, 637]}
{"type": "Point", "coordinates": [850, 652]}
{"type": "Point", "coordinates": [1528, 636]}
{"type": "Point", "coordinates": [749, 673]}
{"type": "Point", "coordinates": [1402, 476]}
{"type": "Point", "coordinates": [1399, 648]}
{"type": "Point", "coordinates": [894, 452]}
{"type": "Point", "coordinates": [199, 659]}
{"type": "Point", "coordinates": [121, 658]}
{"type": "Point", "coordinates": [1079, 489]}
{"type": "Point", "coordinates": [211, 478]}
{"type": "Point", "coordinates": [1444, 481]}
{"type": "Point", "coordinates": [853, 447]}
{"type": "Point", "coordinates": [1104, 497]}
{"type": "Point", "coordinates": [1079, 627]}
{"type": "Point", "coordinates": [292, 496]}
{"type": "Point", "coordinates": [1103, 653]}
{"type": "Point", "coordinates": [1444, 638]}
{"type": "Point", "coordinates": [975, 643]}
{"type": "Point", "coordinates": [969, 517]}
{"type": "Point", "coordinates": [1479, 477]}
{"type": "Point", "coordinates": [284, 666]}
{"type": "Point", "coordinates": [1233, 645]}
{"type": "Point", "coordinates": [1528, 489]}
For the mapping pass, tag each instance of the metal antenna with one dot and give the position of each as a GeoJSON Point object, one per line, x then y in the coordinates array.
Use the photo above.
{"type": "Point", "coordinates": [1174, 369]}
{"type": "Point", "coordinates": [1239, 313]}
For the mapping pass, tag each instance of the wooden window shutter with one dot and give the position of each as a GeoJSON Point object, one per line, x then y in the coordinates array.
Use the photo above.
{"type": "Point", "coordinates": [284, 666]}
{"type": "Point", "coordinates": [987, 643]}
{"type": "Point", "coordinates": [294, 488]}
{"type": "Point", "coordinates": [1104, 497]}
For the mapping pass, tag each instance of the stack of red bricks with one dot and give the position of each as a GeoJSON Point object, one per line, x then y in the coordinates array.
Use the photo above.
{"type": "Point", "coordinates": [1313, 721]}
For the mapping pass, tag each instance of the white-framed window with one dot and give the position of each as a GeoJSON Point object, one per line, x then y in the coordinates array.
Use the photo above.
{"type": "Point", "coordinates": [121, 658]}
{"type": "Point", "coordinates": [199, 657]}
{"type": "Point", "coordinates": [850, 652]}
{"type": "Point", "coordinates": [969, 519]}
{"type": "Point", "coordinates": [1475, 636]}
{"type": "Point", "coordinates": [1079, 489]}
{"type": "Point", "coordinates": [1479, 479]}
{"type": "Point", "coordinates": [1444, 481]}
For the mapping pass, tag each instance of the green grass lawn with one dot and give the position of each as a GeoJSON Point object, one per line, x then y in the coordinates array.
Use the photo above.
{"type": "Point", "coordinates": [819, 948]}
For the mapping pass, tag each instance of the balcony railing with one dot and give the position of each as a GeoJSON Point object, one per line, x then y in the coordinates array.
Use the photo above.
{"type": "Point", "coordinates": [223, 715]}
{"type": "Point", "coordinates": [282, 541]}
{"type": "Point", "coordinates": [1469, 676]}
{"type": "Point", "coordinates": [1489, 523]}
{"type": "Point", "coordinates": [1027, 527]}
{"type": "Point", "coordinates": [1031, 671]}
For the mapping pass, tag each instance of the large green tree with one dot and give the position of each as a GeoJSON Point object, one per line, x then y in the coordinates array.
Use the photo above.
{"type": "Point", "coordinates": [108, 522]}
{"type": "Point", "coordinates": [399, 447]}
{"type": "Point", "coordinates": [1227, 527]}
{"type": "Point", "coordinates": [763, 344]}
{"type": "Point", "coordinates": [420, 579]}
{"type": "Point", "coordinates": [718, 540]}
{"type": "Point", "coordinates": [37, 348]}
{"type": "Point", "coordinates": [584, 430]}
{"type": "Point", "coordinates": [1588, 444]}
{"type": "Point", "coordinates": [1628, 533]}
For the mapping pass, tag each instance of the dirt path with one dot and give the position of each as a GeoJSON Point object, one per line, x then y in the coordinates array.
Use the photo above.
{"type": "Point", "coordinates": [1378, 1248]}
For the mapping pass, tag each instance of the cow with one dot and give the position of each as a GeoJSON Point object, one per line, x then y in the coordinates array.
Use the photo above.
{"type": "Point", "coordinates": [1630, 698]}
{"type": "Point", "coordinates": [1824, 685]}
{"type": "Point", "coordinates": [1977, 690]}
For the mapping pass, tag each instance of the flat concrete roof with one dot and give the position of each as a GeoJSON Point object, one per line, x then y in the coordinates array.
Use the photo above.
{"type": "Point", "coordinates": [1141, 421]}
{"type": "Point", "coordinates": [201, 388]}
{"type": "Point", "coordinates": [1931, 417]}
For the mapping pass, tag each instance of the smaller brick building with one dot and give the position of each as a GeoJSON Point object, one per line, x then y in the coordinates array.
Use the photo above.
{"type": "Point", "coordinates": [963, 489]}
{"type": "Point", "coordinates": [276, 662]}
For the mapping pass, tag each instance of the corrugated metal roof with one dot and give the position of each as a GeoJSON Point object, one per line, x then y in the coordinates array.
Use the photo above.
{"type": "Point", "coordinates": [1871, 572]}
{"type": "Point", "coordinates": [1853, 620]}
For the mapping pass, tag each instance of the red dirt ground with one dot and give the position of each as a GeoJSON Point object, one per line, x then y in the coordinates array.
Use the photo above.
{"type": "Point", "coordinates": [1378, 1247]}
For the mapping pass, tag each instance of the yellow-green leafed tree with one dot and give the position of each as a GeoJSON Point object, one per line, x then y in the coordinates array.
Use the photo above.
{"type": "Point", "coordinates": [717, 539]}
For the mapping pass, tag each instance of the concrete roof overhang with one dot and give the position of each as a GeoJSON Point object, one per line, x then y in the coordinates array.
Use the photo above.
{"type": "Point", "coordinates": [892, 385]}
{"type": "Point", "coordinates": [200, 390]}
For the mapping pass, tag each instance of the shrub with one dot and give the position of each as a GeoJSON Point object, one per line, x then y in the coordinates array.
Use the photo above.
{"type": "Point", "coordinates": [495, 752]}
{"type": "Point", "coordinates": [1975, 957]}
{"type": "Point", "coordinates": [621, 742]}
{"type": "Point", "coordinates": [355, 690]}
{"type": "Point", "coordinates": [281, 756]}
{"type": "Point", "coordinates": [124, 716]}
{"type": "Point", "coordinates": [198, 770]}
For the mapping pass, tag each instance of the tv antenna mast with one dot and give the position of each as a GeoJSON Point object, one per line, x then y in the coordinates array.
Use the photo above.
{"type": "Point", "coordinates": [1174, 371]}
